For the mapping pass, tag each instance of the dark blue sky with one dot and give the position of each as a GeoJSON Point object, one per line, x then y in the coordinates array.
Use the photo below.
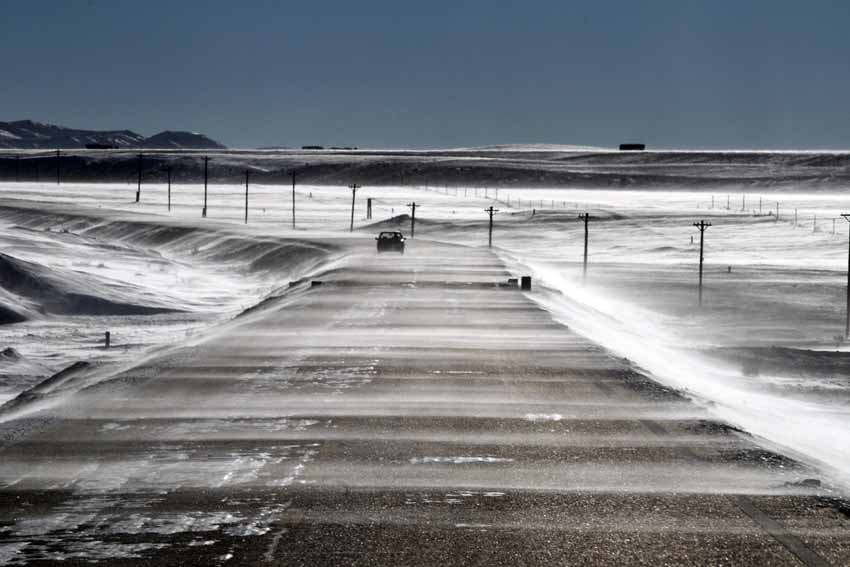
{"type": "Point", "coordinates": [742, 74]}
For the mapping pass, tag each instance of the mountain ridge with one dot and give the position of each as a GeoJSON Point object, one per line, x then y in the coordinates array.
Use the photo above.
{"type": "Point", "coordinates": [29, 134]}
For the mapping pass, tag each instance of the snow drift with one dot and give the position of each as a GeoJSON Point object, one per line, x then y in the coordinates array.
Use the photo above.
{"type": "Point", "coordinates": [33, 288]}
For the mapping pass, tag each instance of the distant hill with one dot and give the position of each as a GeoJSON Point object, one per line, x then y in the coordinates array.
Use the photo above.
{"type": "Point", "coordinates": [27, 134]}
{"type": "Point", "coordinates": [180, 140]}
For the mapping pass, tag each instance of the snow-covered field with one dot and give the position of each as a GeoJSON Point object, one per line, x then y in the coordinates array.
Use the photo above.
{"type": "Point", "coordinates": [761, 351]}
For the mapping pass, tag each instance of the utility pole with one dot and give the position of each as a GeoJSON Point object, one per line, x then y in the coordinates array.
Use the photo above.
{"type": "Point", "coordinates": [247, 173]}
{"type": "Point", "coordinates": [491, 211]}
{"type": "Point", "coordinates": [586, 218]}
{"type": "Point", "coordinates": [168, 171]}
{"type": "Point", "coordinates": [777, 211]}
{"type": "Point", "coordinates": [412, 206]}
{"type": "Point", "coordinates": [139, 185]}
{"type": "Point", "coordinates": [743, 202]}
{"type": "Point", "coordinates": [369, 208]}
{"type": "Point", "coordinates": [58, 166]}
{"type": "Point", "coordinates": [759, 205]}
{"type": "Point", "coordinates": [354, 187]}
{"type": "Point", "coordinates": [847, 309]}
{"type": "Point", "coordinates": [702, 225]}
{"type": "Point", "coordinates": [293, 174]}
{"type": "Point", "coordinates": [712, 201]}
{"type": "Point", "coordinates": [206, 177]}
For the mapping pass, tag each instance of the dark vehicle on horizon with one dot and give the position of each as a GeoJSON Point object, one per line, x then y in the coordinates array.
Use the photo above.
{"type": "Point", "coordinates": [390, 241]}
{"type": "Point", "coordinates": [632, 147]}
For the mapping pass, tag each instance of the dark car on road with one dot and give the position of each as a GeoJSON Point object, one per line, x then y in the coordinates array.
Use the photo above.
{"type": "Point", "coordinates": [390, 241]}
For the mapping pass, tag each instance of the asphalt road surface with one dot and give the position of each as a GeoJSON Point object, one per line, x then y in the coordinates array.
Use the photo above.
{"type": "Point", "coordinates": [407, 411]}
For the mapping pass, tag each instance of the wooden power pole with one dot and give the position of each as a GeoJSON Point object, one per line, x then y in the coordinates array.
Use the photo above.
{"type": "Point", "coordinates": [293, 173]}
{"type": "Point", "coordinates": [847, 308]}
{"type": "Point", "coordinates": [586, 218]}
{"type": "Point", "coordinates": [206, 177]}
{"type": "Point", "coordinates": [247, 173]}
{"type": "Point", "coordinates": [139, 185]}
{"type": "Point", "coordinates": [701, 225]}
{"type": "Point", "coordinates": [354, 187]}
{"type": "Point", "coordinates": [491, 211]}
{"type": "Point", "coordinates": [412, 206]}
